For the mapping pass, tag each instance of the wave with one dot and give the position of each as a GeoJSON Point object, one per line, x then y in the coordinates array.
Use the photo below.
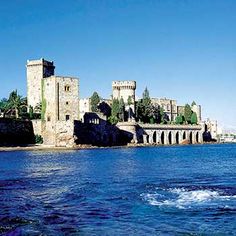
{"type": "Point", "coordinates": [183, 198]}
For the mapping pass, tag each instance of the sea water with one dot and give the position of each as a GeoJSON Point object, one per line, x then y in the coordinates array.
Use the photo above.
{"type": "Point", "coordinates": [178, 190]}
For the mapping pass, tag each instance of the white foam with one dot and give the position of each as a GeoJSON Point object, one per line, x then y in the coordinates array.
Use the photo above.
{"type": "Point", "coordinates": [182, 198]}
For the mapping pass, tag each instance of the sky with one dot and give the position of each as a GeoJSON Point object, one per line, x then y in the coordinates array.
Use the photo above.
{"type": "Point", "coordinates": [180, 49]}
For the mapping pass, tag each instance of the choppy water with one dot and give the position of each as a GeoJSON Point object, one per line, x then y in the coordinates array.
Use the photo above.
{"type": "Point", "coordinates": [184, 190]}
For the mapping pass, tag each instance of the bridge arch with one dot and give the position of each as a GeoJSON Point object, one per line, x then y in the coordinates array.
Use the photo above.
{"type": "Point", "coordinates": [162, 137]}
{"type": "Point", "coordinates": [184, 135]}
{"type": "Point", "coordinates": [197, 137]}
{"type": "Point", "coordinates": [154, 137]}
{"type": "Point", "coordinates": [177, 141]}
{"type": "Point", "coordinates": [170, 137]}
{"type": "Point", "coordinates": [191, 137]}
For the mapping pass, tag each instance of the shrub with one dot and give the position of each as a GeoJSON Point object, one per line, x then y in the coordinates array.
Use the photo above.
{"type": "Point", "coordinates": [38, 139]}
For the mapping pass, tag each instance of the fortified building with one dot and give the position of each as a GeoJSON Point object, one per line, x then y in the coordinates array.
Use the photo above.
{"type": "Point", "coordinates": [66, 119]}
{"type": "Point", "coordinates": [58, 99]}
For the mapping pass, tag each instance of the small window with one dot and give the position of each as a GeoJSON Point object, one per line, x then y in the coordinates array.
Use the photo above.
{"type": "Point", "coordinates": [48, 118]}
{"type": "Point", "coordinates": [67, 103]}
{"type": "Point", "coordinates": [67, 117]}
{"type": "Point", "coordinates": [67, 88]}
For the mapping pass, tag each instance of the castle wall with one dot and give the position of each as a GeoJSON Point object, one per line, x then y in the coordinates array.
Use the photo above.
{"type": "Point", "coordinates": [169, 106]}
{"type": "Point", "coordinates": [37, 127]}
{"type": "Point", "coordinates": [15, 132]}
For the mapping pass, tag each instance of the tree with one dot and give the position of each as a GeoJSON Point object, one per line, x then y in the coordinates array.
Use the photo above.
{"type": "Point", "coordinates": [187, 113]}
{"type": "Point", "coordinates": [144, 107]}
{"type": "Point", "coordinates": [4, 106]}
{"type": "Point", "coordinates": [16, 102]}
{"type": "Point", "coordinates": [193, 103]}
{"type": "Point", "coordinates": [129, 102]}
{"type": "Point", "coordinates": [121, 115]}
{"type": "Point", "coordinates": [94, 101]}
{"type": "Point", "coordinates": [115, 109]}
{"type": "Point", "coordinates": [179, 120]}
{"type": "Point", "coordinates": [194, 118]}
{"type": "Point", "coordinates": [146, 98]}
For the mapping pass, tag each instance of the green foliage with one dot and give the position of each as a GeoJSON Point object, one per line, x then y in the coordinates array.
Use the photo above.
{"type": "Point", "coordinates": [194, 118]}
{"type": "Point", "coordinates": [144, 108]}
{"type": "Point", "coordinates": [146, 98]}
{"type": "Point", "coordinates": [129, 101]}
{"type": "Point", "coordinates": [193, 103]}
{"type": "Point", "coordinates": [115, 108]}
{"type": "Point", "coordinates": [38, 139]}
{"type": "Point", "coordinates": [31, 112]}
{"type": "Point", "coordinates": [94, 102]}
{"type": "Point", "coordinates": [44, 102]}
{"type": "Point", "coordinates": [187, 113]}
{"type": "Point", "coordinates": [44, 106]}
{"type": "Point", "coordinates": [113, 120]}
{"type": "Point", "coordinates": [179, 120]}
{"type": "Point", "coordinates": [4, 106]}
{"type": "Point", "coordinates": [121, 109]}
{"type": "Point", "coordinates": [115, 111]}
{"type": "Point", "coordinates": [16, 104]}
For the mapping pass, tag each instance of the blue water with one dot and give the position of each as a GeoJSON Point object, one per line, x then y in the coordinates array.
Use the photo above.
{"type": "Point", "coordinates": [181, 190]}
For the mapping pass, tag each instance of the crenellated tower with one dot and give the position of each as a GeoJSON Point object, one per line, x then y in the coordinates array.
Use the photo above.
{"type": "Point", "coordinates": [125, 89]}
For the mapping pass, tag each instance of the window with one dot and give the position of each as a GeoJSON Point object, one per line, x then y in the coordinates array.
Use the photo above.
{"type": "Point", "coordinates": [67, 117]}
{"type": "Point", "coordinates": [67, 88]}
{"type": "Point", "coordinates": [67, 103]}
{"type": "Point", "coordinates": [48, 118]}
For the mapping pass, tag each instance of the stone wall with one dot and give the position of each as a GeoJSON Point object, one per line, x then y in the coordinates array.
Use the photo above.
{"type": "Point", "coordinates": [101, 134]}
{"type": "Point", "coordinates": [37, 127]}
{"type": "Point", "coordinates": [14, 132]}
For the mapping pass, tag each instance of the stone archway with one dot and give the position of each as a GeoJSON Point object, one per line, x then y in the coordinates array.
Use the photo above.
{"type": "Point", "coordinates": [148, 138]}
{"type": "Point", "coordinates": [170, 137]}
{"type": "Point", "coordinates": [191, 137]}
{"type": "Point", "coordinates": [197, 137]}
{"type": "Point", "coordinates": [177, 137]}
{"type": "Point", "coordinates": [184, 135]}
{"type": "Point", "coordinates": [162, 137]}
{"type": "Point", "coordinates": [154, 137]}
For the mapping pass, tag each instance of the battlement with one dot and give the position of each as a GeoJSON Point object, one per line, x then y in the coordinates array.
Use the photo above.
{"type": "Point", "coordinates": [40, 62]}
{"type": "Point", "coordinates": [127, 84]}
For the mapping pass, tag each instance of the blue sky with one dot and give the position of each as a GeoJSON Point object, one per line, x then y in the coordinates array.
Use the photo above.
{"type": "Point", "coordinates": [180, 49]}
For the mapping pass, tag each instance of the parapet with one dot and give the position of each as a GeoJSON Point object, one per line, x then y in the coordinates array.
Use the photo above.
{"type": "Point", "coordinates": [124, 84]}
{"type": "Point", "coordinates": [41, 62]}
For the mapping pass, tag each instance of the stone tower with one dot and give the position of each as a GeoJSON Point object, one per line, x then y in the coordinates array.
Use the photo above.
{"type": "Point", "coordinates": [125, 89]}
{"type": "Point", "coordinates": [60, 108]}
{"type": "Point", "coordinates": [36, 71]}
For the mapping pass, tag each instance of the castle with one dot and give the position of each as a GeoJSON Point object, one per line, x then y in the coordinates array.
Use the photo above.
{"type": "Point", "coordinates": [60, 107]}
{"type": "Point", "coordinates": [58, 97]}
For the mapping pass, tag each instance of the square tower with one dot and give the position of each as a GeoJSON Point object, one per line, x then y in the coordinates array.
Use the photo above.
{"type": "Point", "coordinates": [60, 107]}
{"type": "Point", "coordinates": [36, 71]}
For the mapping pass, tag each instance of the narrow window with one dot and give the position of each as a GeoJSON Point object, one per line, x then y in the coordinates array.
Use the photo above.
{"type": "Point", "coordinates": [67, 103]}
{"type": "Point", "coordinates": [49, 118]}
{"type": "Point", "coordinates": [67, 88]}
{"type": "Point", "coordinates": [67, 117]}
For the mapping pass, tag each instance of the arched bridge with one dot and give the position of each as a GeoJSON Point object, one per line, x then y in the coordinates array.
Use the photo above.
{"type": "Point", "coordinates": [171, 134]}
